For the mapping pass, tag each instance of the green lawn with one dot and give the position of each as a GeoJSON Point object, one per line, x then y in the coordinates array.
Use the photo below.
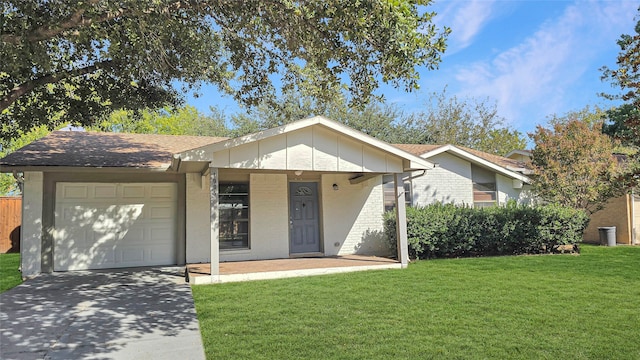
{"type": "Point", "coordinates": [9, 274]}
{"type": "Point", "coordinates": [530, 307]}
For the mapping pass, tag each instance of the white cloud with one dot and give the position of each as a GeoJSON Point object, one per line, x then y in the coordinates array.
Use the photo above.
{"type": "Point", "coordinates": [465, 18]}
{"type": "Point", "coordinates": [539, 72]}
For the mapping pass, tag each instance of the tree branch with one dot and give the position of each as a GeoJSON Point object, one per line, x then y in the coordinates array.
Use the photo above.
{"type": "Point", "coordinates": [78, 20]}
{"type": "Point", "coordinates": [28, 86]}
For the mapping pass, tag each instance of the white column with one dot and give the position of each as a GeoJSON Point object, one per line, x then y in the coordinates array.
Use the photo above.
{"type": "Point", "coordinates": [401, 222]}
{"type": "Point", "coordinates": [215, 222]}
{"type": "Point", "coordinates": [31, 231]}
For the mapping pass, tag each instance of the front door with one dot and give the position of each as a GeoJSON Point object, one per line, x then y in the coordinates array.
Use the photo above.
{"type": "Point", "coordinates": [304, 230]}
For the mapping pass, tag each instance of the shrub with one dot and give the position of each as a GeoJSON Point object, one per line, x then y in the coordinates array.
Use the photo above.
{"type": "Point", "coordinates": [446, 230]}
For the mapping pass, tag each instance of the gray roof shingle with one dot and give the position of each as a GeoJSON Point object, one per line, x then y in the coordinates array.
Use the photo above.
{"type": "Point", "coordinates": [101, 149]}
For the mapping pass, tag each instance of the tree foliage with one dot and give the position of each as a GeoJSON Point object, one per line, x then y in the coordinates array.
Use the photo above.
{"type": "Point", "coordinates": [467, 122]}
{"type": "Point", "coordinates": [86, 58]}
{"type": "Point", "coordinates": [624, 121]}
{"type": "Point", "coordinates": [8, 184]}
{"type": "Point", "coordinates": [380, 120]}
{"type": "Point", "coordinates": [181, 121]}
{"type": "Point", "coordinates": [574, 165]}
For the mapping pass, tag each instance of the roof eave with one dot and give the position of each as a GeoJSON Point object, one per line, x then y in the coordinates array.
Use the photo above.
{"type": "Point", "coordinates": [473, 158]}
{"type": "Point", "coordinates": [25, 168]}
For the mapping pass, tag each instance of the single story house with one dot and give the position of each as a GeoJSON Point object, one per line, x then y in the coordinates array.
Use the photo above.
{"type": "Point", "coordinates": [107, 200]}
{"type": "Point", "coordinates": [464, 176]}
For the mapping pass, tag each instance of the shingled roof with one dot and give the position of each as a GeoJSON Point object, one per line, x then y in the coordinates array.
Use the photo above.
{"type": "Point", "coordinates": [101, 149]}
{"type": "Point", "coordinates": [511, 164]}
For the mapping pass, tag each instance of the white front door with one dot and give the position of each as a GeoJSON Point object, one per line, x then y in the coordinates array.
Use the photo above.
{"type": "Point", "coordinates": [304, 234]}
{"type": "Point", "coordinates": [112, 225]}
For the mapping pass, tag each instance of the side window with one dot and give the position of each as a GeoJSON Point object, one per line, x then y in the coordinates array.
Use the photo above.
{"type": "Point", "coordinates": [389, 191]}
{"type": "Point", "coordinates": [484, 187]}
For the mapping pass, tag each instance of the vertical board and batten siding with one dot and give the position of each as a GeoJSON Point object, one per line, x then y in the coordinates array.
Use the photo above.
{"type": "Point", "coordinates": [10, 220]}
{"type": "Point", "coordinates": [311, 149]}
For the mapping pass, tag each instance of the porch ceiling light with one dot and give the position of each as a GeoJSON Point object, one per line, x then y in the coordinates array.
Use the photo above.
{"type": "Point", "coordinates": [298, 172]}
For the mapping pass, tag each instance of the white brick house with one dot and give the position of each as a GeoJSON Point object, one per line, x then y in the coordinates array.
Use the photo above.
{"type": "Point", "coordinates": [108, 200]}
{"type": "Point", "coordinates": [465, 176]}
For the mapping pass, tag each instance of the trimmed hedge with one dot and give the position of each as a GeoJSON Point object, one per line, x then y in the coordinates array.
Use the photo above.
{"type": "Point", "coordinates": [444, 231]}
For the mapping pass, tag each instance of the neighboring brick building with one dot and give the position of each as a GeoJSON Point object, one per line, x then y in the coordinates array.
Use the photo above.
{"type": "Point", "coordinates": [623, 213]}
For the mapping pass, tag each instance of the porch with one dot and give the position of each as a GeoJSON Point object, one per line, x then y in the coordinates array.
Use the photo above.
{"type": "Point", "coordinates": [285, 268]}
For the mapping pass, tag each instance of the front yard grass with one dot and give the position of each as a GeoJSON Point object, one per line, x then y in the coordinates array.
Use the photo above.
{"type": "Point", "coordinates": [9, 274]}
{"type": "Point", "coordinates": [525, 307]}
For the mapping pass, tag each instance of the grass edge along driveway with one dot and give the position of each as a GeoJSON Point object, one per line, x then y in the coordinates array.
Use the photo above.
{"type": "Point", "coordinates": [524, 307]}
{"type": "Point", "coordinates": [10, 276]}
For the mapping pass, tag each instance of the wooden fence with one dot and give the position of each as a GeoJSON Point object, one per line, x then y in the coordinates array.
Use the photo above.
{"type": "Point", "coordinates": [10, 221]}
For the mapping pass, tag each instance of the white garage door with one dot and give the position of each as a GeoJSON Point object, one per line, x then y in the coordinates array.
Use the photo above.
{"type": "Point", "coordinates": [109, 225]}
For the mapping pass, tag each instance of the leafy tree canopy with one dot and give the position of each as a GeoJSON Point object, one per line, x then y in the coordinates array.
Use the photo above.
{"type": "Point", "coordinates": [8, 184]}
{"type": "Point", "coordinates": [181, 121]}
{"type": "Point", "coordinates": [623, 122]}
{"type": "Point", "coordinates": [574, 165]}
{"type": "Point", "coordinates": [83, 59]}
{"type": "Point", "coordinates": [380, 120]}
{"type": "Point", "coordinates": [466, 122]}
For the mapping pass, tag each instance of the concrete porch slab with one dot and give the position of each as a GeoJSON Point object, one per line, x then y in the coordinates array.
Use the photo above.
{"type": "Point", "coordinates": [286, 268]}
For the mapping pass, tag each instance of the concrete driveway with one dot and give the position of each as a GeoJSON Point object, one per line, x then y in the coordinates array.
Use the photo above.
{"type": "Point", "coordinates": [144, 313]}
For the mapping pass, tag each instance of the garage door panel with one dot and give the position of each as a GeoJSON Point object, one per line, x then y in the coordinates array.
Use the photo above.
{"type": "Point", "coordinates": [162, 212]}
{"type": "Point", "coordinates": [160, 192]}
{"type": "Point", "coordinates": [105, 192]}
{"type": "Point", "coordinates": [159, 253]}
{"type": "Point", "coordinates": [133, 191]}
{"type": "Point", "coordinates": [75, 192]}
{"type": "Point", "coordinates": [161, 235]}
{"type": "Point", "coordinates": [132, 254]}
{"type": "Point", "coordinates": [100, 231]}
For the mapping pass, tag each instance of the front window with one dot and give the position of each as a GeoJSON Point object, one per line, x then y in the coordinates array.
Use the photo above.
{"type": "Point", "coordinates": [388, 188]}
{"type": "Point", "coordinates": [484, 187]}
{"type": "Point", "coordinates": [234, 215]}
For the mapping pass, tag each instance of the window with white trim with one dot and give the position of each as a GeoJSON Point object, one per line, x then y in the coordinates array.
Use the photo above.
{"type": "Point", "coordinates": [484, 187]}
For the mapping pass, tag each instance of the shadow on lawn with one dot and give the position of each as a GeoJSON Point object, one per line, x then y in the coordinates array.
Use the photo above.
{"type": "Point", "coordinates": [96, 314]}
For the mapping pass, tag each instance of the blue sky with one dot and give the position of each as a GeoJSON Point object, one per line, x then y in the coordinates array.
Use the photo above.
{"type": "Point", "coordinates": [530, 58]}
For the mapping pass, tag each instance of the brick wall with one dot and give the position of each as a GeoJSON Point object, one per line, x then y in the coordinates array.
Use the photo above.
{"type": "Point", "coordinates": [616, 213]}
{"type": "Point", "coordinates": [450, 182]}
{"type": "Point", "coordinates": [352, 216]}
{"type": "Point", "coordinates": [198, 219]}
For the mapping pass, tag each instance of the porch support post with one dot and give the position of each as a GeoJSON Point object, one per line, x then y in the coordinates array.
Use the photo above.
{"type": "Point", "coordinates": [401, 222]}
{"type": "Point", "coordinates": [215, 228]}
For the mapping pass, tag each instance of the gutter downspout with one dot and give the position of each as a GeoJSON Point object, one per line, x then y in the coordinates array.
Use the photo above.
{"type": "Point", "coordinates": [416, 176]}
